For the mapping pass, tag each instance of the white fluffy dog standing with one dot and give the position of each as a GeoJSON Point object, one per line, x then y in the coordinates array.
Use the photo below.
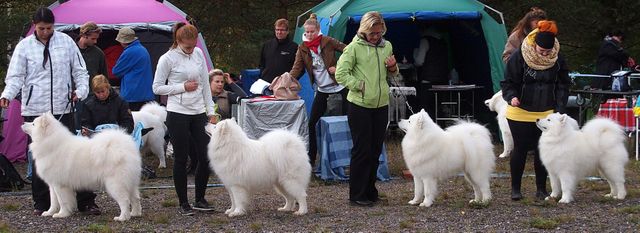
{"type": "Point", "coordinates": [277, 160]}
{"type": "Point", "coordinates": [67, 163]}
{"type": "Point", "coordinates": [499, 105]}
{"type": "Point", "coordinates": [570, 154]}
{"type": "Point", "coordinates": [432, 153]}
{"type": "Point", "coordinates": [153, 115]}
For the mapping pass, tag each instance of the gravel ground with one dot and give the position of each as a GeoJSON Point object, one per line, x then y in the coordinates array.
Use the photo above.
{"type": "Point", "coordinates": [330, 211]}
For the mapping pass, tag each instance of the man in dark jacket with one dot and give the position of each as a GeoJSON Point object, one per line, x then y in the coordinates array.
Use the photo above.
{"type": "Point", "coordinates": [611, 57]}
{"type": "Point", "coordinates": [278, 54]}
{"type": "Point", "coordinates": [93, 56]}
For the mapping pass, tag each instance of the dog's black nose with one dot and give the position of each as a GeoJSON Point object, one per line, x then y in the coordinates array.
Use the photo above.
{"type": "Point", "coordinates": [537, 120]}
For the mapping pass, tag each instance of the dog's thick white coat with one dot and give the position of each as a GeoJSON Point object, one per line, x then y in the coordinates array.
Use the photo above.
{"type": "Point", "coordinates": [570, 154]}
{"type": "Point", "coordinates": [68, 163]}
{"type": "Point", "coordinates": [499, 105]}
{"type": "Point", "coordinates": [153, 115]}
{"type": "Point", "coordinates": [432, 153]}
{"type": "Point", "coordinates": [277, 160]}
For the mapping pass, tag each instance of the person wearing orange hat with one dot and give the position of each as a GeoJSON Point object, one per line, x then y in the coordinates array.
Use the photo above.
{"type": "Point", "coordinates": [536, 84]}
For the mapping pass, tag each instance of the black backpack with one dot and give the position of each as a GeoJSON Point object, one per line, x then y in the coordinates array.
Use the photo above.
{"type": "Point", "coordinates": [10, 180]}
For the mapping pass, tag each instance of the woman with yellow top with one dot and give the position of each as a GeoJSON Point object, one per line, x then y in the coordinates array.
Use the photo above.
{"type": "Point", "coordinates": [536, 83]}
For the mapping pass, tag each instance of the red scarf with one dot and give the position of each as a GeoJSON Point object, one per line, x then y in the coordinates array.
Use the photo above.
{"type": "Point", "coordinates": [313, 44]}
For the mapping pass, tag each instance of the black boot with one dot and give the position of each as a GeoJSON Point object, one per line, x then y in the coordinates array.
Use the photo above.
{"type": "Point", "coordinates": [542, 193]}
{"type": "Point", "coordinates": [516, 195]}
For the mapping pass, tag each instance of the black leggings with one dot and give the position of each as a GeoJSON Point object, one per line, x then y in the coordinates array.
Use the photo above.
{"type": "Point", "coordinates": [525, 138]}
{"type": "Point", "coordinates": [368, 128]}
{"type": "Point", "coordinates": [317, 110]}
{"type": "Point", "coordinates": [185, 131]}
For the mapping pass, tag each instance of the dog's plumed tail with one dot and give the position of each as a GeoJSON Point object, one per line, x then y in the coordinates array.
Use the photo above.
{"type": "Point", "coordinates": [609, 133]}
{"type": "Point", "coordinates": [155, 109]}
{"type": "Point", "coordinates": [117, 148]}
{"type": "Point", "coordinates": [478, 145]}
{"type": "Point", "coordinates": [291, 145]}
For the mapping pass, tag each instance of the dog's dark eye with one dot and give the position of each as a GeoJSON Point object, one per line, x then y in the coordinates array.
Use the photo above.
{"type": "Point", "coordinates": [548, 119]}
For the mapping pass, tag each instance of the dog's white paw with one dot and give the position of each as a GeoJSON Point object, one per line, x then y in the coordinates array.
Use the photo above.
{"type": "Point", "coordinates": [503, 155]}
{"type": "Point", "coordinates": [61, 214]}
{"type": "Point", "coordinates": [608, 195]}
{"type": "Point", "coordinates": [285, 209]}
{"type": "Point", "coordinates": [565, 201]}
{"type": "Point", "coordinates": [474, 201]}
{"type": "Point", "coordinates": [414, 202]}
{"type": "Point", "coordinates": [47, 213]}
{"type": "Point", "coordinates": [228, 211]}
{"type": "Point", "coordinates": [236, 213]}
{"type": "Point", "coordinates": [136, 214]}
{"type": "Point", "coordinates": [162, 165]}
{"type": "Point", "coordinates": [120, 219]}
{"type": "Point", "coordinates": [300, 213]}
{"type": "Point", "coordinates": [426, 204]}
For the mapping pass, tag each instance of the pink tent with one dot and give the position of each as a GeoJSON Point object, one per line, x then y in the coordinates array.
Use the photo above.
{"type": "Point", "coordinates": [151, 19]}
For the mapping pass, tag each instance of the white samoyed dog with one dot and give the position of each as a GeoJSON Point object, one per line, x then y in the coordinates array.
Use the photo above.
{"type": "Point", "coordinates": [499, 105]}
{"type": "Point", "coordinates": [276, 160]}
{"type": "Point", "coordinates": [67, 163]}
{"type": "Point", "coordinates": [570, 154]}
{"type": "Point", "coordinates": [153, 115]}
{"type": "Point", "coordinates": [432, 153]}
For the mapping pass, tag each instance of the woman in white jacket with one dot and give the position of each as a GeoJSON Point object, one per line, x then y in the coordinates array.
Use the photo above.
{"type": "Point", "coordinates": [182, 75]}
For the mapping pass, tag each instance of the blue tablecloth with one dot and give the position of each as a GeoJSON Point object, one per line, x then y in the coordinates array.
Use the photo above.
{"type": "Point", "coordinates": [334, 145]}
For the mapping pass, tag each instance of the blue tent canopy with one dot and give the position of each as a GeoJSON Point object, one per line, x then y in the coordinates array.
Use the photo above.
{"type": "Point", "coordinates": [424, 15]}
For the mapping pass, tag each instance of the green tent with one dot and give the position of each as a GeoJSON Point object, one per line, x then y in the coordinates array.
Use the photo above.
{"type": "Point", "coordinates": [476, 32]}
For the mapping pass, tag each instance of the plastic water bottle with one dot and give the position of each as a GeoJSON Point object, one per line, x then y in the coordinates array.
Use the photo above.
{"type": "Point", "coordinates": [615, 86]}
{"type": "Point", "coordinates": [453, 77]}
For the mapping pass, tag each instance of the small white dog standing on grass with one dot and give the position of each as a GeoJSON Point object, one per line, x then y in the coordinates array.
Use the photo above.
{"type": "Point", "coordinates": [432, 153]}
{"type": "Point", "coordinates": [277, 160]}
{"type": "Point", "coordinates": [153, 115]}
{"type": "Point", "coordinates": [499, 105]}
{"type": "Point", "coordinates": [570, 154]}
{"type": "Point", "coordinates": [67, 163]}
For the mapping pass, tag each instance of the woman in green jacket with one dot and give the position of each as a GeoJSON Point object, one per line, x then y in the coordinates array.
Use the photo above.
{"type": "Point", "coordinates": [363, 68]}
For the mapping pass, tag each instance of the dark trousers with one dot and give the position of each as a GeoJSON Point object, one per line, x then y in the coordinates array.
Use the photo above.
{"type": "Point", "coordinates": [525, 138]}
{"type": "Point", "coordinates": [368, 128]}
{"type": "Point", "coordinates": [40, 189]}
{"type": "Point", "coordinates": [317, 110]}
{"type": "Point", "coordinates": [185, 129]}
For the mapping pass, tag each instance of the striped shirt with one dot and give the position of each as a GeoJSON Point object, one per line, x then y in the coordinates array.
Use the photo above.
{"type": "Point", "coordinates": [46, 87]}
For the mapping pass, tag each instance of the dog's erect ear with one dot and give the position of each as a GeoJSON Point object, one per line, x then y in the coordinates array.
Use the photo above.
{"type": "Point", "coordinates": [46, 119]}
{"type": "Point", "coordinates": [420, 120]}
{"type": "Point", "coordinates": [422, 110]}
{"type": "Point", "coordinates": [222, 127]}
{"type": "Point", "coordinates": [563, 118]}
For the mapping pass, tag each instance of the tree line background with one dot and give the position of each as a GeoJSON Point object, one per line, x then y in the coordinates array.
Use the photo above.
{"type": "Point", "coordinates": [235, 30]}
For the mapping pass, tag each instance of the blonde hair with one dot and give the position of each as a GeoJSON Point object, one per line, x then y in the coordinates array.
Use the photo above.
{"type": "Point", "coordinates": [370, 19]}
{"type": "Point", "coordinates": [183, 31]}
{"type": "Point", "coordinates": [88, 28]}
{"type": "Point", "coordinates": [215, 72]}
{"type": "Point", "coordinates": [312, 21]}
{"type": "Point", "coordinates": [100, 82]}
{"type": "Point", "coordinates": [282, 23]}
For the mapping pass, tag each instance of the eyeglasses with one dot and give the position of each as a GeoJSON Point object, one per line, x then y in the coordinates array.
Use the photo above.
{"type": "Point", "coordinates": [371, 34]}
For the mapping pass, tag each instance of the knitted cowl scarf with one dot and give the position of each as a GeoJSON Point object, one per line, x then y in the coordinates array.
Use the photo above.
{"type": "Point", "coordinates": [535, 60]}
